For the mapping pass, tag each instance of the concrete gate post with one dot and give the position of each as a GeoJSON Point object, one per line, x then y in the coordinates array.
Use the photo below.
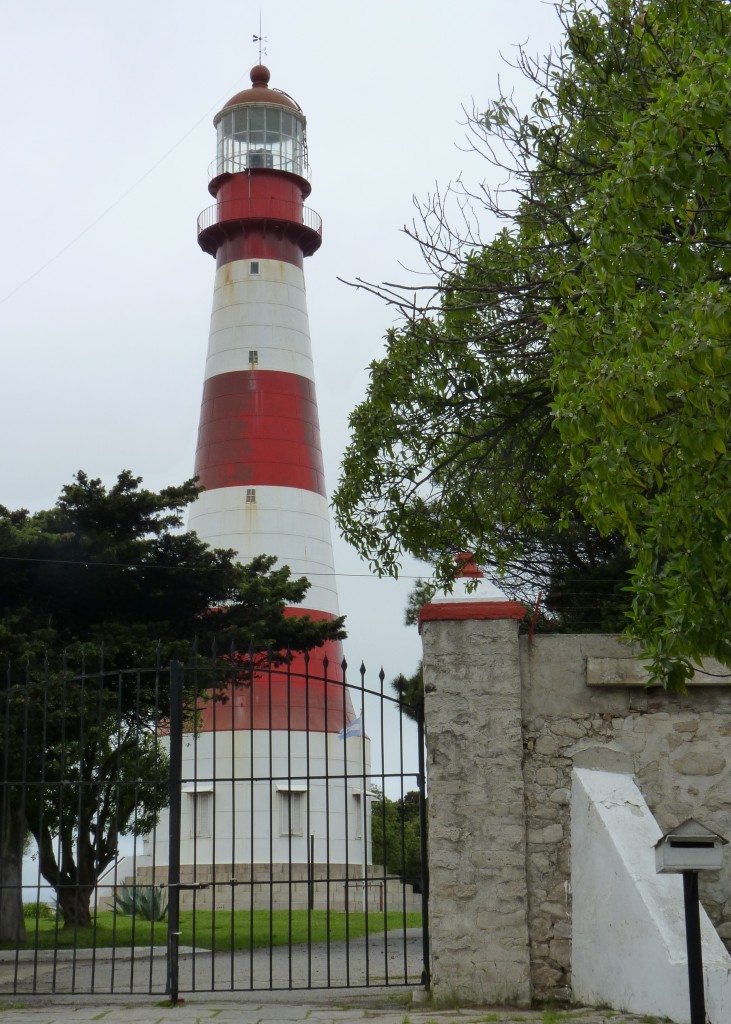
{"type": "Point", "coordinates": [477, 839]}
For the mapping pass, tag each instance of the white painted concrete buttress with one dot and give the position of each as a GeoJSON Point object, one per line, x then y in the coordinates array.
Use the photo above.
{"type": "Point", "coordinates": [628, 934]}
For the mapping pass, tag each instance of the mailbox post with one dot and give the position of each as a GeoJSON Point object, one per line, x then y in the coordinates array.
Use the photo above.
{"type": "Point", "coordinates": [688, 849]}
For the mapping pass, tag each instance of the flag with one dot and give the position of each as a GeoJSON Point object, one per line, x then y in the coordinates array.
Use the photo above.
{"type": "Point", "coordinates": [354, 728]}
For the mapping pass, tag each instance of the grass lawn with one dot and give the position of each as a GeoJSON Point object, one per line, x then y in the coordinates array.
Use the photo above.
{"type": "Point", "coordinates": [220, 929]}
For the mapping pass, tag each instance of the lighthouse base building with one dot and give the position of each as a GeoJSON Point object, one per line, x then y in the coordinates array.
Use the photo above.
{"type": "Point", "coordinates": [273, 821]}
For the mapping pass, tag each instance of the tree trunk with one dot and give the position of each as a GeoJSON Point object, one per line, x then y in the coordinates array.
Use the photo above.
{"type": "Point", "coordinates": [74, 883]}
{"type": "Point", "coordinates": [75, 906]}
{"type": "Point", "coordinates": [12, 841]}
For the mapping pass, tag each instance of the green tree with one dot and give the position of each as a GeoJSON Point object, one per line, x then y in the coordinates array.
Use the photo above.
{"type": "Point", "coordinates": [410, 692]}
{"type": "Point", "coordinates": [107, 573]}
{"type": "Point", "coordinates": [410, 689]}
{"type": "Point", "coordinates": [641, 356]}
{"type": "Point", "coordinates": [396, 835]}
{"type": "Point", "coordinates": [114, 784]}
{"type": "Point", "coordinates": [559, 402]}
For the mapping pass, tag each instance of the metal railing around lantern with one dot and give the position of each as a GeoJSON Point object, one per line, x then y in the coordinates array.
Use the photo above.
{"type": "Point", "coordinates": [268, 209]}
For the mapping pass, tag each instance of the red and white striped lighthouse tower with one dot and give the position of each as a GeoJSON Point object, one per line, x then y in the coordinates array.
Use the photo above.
{"type": "Point", "coordinates": [259, 455]}
{"type": "Point", "coordinates": [260, 462]}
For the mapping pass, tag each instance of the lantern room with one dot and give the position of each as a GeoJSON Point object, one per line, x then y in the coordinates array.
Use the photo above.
{"type": "Point", "coordinates": [260, 136]}
{"type": "Point", "coordinates": [260, 128]}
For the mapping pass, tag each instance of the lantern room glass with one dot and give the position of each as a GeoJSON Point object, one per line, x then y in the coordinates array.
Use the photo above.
{"type": "Point", "coordinates": [261, 136]}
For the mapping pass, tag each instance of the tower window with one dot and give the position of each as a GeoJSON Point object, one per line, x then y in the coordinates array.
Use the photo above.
{"type": "Point", "coordinates": [201, 811]}
{"type": "Point", "coordinates": [261, 136]}
{"type": "Point", "coordinates": [358, 817]}
{"type": "Point", "coordinates": [292, 810]}
{"type": "Point", "coordinates": [360, 814]}
{"type": "Point", "coordinates": [250, 495]}
{"type": "Point", "coordinates": [253, 356]}
{"type": "Point", "coordinates": [254, 267]}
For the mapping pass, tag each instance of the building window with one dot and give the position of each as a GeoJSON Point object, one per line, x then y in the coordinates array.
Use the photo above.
{"type": "Point", "coordinates": [291, 814]}
{"type": "Point", "coordinates": [253, 357]}
{"type": "Point", "coordinates": [292, 810]}
{"type": "Point", "coordinates": [254, 267]}
{"type": "Point", "coordinates": [250, 495]}
{"type": "Point", "coordinates": [356, 829]}
{"type": "Point", "coordinates": [358, 816]}
{"type": "Point", "coordinates": [201, 817]}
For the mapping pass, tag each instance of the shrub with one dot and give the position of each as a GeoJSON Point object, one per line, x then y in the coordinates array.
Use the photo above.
{"type": "Point", "coordinates": [39, 912]}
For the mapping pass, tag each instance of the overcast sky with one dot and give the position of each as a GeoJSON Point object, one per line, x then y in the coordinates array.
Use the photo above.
{"type": "Point", "coordinates": [107, 123]}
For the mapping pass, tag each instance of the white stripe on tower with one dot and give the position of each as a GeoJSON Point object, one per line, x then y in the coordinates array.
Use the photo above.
{"type": "Point", "coordinates": [263, 312]}
{"type": "Point", "coordinates": [287, 520]}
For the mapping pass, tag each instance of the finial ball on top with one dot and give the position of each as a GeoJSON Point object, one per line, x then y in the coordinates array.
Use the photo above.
{"type": "Point", "coordinates": [260, 75]}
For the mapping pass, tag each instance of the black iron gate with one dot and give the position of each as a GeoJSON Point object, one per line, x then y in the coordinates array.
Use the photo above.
{"type": "Point", "coordinates": [259, 824]}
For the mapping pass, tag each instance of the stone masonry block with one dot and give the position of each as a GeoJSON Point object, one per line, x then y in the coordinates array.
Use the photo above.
{"type": "Point", "coordinates": [475, 735]}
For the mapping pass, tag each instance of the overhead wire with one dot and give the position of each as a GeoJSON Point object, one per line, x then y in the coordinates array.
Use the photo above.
{"type": "Point", "coordinates": [174, 568]}
{"type": "Point", "coordinates": [584, 594]}
{"type": "Point", "coordinates": [120, 198]}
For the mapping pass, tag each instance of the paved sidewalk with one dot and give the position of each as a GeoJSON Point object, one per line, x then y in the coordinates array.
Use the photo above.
{"type": "Point", "coordinates": [62, 978]}
{"type": "Point", "coordinates": [351, 1009]}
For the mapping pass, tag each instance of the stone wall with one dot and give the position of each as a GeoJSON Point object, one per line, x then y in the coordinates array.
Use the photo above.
{"type": "Point", "coordinates": [507, 720]}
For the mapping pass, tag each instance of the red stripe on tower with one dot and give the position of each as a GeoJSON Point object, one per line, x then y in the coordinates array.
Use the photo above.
{"type": "Point", "coordinates": [259, 427]}
{"type": "Point", "coordinates": [259, 456]}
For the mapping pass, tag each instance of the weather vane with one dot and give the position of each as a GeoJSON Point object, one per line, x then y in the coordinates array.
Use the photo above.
{"type": "Point", "coordinates": [260, 39]}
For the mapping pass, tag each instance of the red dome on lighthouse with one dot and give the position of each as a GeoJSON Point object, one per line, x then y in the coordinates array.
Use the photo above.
{"type": "Point", "coordinates": [260, 93]}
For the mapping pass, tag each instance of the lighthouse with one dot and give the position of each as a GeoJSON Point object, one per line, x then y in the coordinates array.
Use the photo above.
{"type": "Point", "coordinates": [258, 455]}
{"type": "Point", "coordinates": [276, 776]}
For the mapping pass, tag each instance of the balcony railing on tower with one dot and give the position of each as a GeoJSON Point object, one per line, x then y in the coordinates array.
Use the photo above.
{"type": "Point", "coordinates": [291, 217]}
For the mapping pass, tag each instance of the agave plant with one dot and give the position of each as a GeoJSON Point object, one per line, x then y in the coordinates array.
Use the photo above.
{"type": "Point", "coordinates": [148, 902]}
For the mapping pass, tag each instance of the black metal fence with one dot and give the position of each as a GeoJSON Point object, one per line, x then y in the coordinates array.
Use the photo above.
{"type": "Point", "coordinates": [240, 825]}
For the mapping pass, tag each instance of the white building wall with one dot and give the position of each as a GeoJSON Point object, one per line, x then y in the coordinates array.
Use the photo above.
{"type": "Point", "coordinates": [244, 787]}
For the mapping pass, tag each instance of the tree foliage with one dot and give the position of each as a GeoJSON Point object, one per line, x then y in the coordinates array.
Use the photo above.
{"type": "Point", "coordinates": [410, 693]}
{"type": "Point", "coordinates": [558, 402]}
{"type": "Point", "coordinates": [641, 357]}
{"type": "Point", "coordinates": [111, 568]}
{"type": "Point", "coordinates": [396, 835]}
{"type": "Point", "coordinates": [107, 578]}
{"type": "Point", "coordinates": [410, 689]}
